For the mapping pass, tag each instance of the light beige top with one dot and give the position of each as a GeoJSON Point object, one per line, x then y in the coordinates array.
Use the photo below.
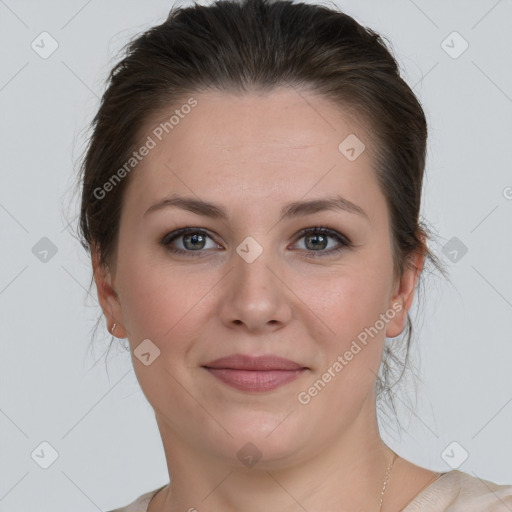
{"type": "Point", "coordinates": [454, 491]}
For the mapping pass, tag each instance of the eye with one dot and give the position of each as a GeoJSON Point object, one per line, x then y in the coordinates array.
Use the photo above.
{"type": "Point", "coordinates": [317, 239]}
{"type": "Point", "coordinates": [192, 240]}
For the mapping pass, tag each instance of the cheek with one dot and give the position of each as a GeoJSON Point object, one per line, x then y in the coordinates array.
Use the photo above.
{"type": "Point", "coordinates": [352, 345]}
{"type": "Point", "coordinates": [162, 302]}
{"type": "Point", "coordinates": [147, 303]}
{"type": "Point", "coordinates": [347, 302]}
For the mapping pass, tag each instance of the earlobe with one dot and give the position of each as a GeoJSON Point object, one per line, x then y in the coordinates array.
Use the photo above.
{"type": "Point", "coordinates": [396, 324]}
{"type": "Point", "coordinates": [107, 297]}
{"type": "Point", "coordinates": [405, 294]}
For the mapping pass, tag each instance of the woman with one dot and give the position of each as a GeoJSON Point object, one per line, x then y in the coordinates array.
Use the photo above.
{"type": "Point", "coordinates": [251, 196]}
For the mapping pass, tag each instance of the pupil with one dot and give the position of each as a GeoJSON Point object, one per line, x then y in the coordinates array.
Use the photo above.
{"type": "Point", "coordinates": [316, 244]}
{"type": "Point", "coordinates": [195, 239]}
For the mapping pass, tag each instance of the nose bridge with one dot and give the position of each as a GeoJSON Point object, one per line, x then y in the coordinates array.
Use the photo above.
{"type": "Point", "coordinates": [252, 261]}
{"type": "Point", "coordinates": [255, 298]}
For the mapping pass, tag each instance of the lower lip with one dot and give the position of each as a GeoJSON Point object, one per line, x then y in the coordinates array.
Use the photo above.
{"type": "Point", "coordinates": [253, 380]}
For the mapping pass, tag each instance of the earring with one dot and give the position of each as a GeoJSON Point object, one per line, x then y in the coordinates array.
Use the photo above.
{"type": "Point", "coordinates": [113, 327]}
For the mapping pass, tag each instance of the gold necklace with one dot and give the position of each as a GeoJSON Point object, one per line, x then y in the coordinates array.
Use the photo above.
{"type": "Point", "coordinates": [388, 472]}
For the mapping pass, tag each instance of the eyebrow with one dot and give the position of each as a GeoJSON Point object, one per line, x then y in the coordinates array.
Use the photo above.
{"type": "Point", "coordinates": [291, 210]}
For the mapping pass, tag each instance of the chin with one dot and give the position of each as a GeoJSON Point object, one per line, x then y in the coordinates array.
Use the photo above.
{"type": "Point", "coordinates": [270, 439]}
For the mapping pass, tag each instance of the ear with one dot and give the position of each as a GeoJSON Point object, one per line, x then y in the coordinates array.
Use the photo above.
{"type": "Point", "coordinates": [107, 296]}
{"type": "Point", "coordinates": [403, 293]}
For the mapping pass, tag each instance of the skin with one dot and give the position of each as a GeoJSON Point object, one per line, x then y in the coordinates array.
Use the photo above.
{"type": "Point", "coordinates": [252, 154]}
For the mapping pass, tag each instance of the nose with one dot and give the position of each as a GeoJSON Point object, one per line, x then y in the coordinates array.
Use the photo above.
{"type": "Point", "coordinates": [254, 295]}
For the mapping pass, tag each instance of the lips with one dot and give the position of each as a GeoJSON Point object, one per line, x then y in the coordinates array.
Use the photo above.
{"type": "Point", "coordinates": [259, 363]}
{"type": "Point", "coordinates": [255, 374]}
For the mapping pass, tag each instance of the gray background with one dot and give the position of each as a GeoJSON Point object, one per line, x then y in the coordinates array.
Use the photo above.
{"type": "Point", "coordinates": [99, 423]}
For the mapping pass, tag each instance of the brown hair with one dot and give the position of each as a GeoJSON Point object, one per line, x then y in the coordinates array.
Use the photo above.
{"type": "Point", "coordinates": [239, 46]}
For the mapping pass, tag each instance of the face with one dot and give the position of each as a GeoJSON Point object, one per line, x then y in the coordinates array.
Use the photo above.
{"type": "Point", "coordinates": [252, 276]}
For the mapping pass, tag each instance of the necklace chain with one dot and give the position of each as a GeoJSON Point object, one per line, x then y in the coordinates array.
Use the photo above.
{"type": "Point", "coordinates": [388, 472]}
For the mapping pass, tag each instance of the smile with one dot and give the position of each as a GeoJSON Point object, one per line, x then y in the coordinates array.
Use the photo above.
{"type": "Point", "coordinates": [255, 380]}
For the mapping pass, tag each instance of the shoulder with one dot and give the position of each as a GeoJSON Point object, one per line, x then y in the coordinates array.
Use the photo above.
{"type": "Point", "coordinates": [140, 504]}
{"type": "Point", "coordinates": [457, 491]}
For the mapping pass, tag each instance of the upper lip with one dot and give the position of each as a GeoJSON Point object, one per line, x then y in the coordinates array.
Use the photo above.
{"type": "Point", "coordinates": [261, 363]}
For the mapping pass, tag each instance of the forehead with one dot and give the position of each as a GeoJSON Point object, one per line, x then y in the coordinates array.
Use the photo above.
{"type": "Point", "coordinates": [286, 118]}
{"type": "Point", "coordinates": [276, 145]}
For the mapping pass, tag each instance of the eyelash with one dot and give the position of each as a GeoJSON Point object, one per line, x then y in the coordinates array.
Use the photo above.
{"type": "Point", "coordinates": [345, 243]}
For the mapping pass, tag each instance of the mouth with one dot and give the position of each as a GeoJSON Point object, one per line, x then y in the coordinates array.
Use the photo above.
{"type": "Point", "coordinates": [247, 373]}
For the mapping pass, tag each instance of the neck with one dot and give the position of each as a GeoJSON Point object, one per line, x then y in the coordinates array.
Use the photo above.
{"type": "Point", "coordinates": [343, 471]}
